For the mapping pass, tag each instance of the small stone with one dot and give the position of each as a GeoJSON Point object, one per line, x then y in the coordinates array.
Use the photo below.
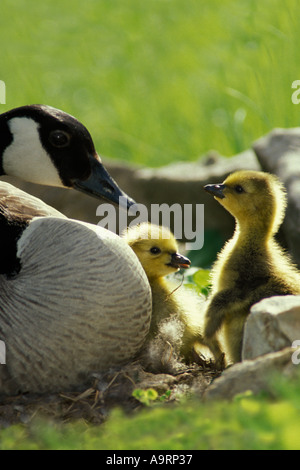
{"type": "Point", "coordinates": [252, 375]}
{"type": "Point", "coordinates": [273, 324]}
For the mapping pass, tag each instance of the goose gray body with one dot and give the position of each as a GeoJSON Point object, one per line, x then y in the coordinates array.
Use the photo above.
{"type": "Point", "coordinates": [74, 298]}
{"type": "Point", "coordinates": [70, 311]}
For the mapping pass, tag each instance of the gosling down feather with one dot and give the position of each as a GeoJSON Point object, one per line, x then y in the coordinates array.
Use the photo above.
{"type": "Point", "coordinates": [73, 297]}
{"type": "Point", "coordinates": [176, 323]}
{"type": "Point", "coordinates": [252, 265]}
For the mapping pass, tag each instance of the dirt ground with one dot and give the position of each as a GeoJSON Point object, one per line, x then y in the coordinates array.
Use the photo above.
{"type": "Point", "coordinates": [114, 388]}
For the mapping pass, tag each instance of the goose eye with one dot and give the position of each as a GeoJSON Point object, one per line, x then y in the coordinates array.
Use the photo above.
{"type": "Point", "coordinates": [155, 250]}
{"type": "Point", "coordinates": [59, 138]}
{"type": "Point", "coordinates": [239, 189]}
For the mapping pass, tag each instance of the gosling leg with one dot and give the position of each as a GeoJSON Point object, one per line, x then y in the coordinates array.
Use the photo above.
{"type": "Point", "coordinates": [233, 331]}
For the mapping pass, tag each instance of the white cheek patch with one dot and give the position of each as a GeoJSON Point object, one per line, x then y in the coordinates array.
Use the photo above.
{"type": "Point", "coordinates": [26, 158]}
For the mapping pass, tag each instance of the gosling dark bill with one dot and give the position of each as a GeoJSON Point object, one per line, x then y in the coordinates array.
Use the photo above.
{"type": "Point", "coordinates": [216, 190]}
{"type": "Point", "coordinates": [179, 261]}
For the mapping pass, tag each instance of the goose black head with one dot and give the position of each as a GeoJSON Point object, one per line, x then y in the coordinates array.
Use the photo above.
{"type": "Point", "coordinates": [44, 145]}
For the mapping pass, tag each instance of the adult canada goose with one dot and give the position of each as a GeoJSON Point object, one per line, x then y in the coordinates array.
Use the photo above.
{"type": "Point", "coordinates": [251, 265]}
{"type": "Point", "coordinates": [175, 321]}
{"type": "Point", "coordinates": [44, 145]}
{"type": "Point", "coordinates": [73, 297]}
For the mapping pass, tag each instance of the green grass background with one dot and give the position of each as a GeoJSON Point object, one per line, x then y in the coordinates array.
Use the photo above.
{"type": "Point", "coordinates": [157, 81]}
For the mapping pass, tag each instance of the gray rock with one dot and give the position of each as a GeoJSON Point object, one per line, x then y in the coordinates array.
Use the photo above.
{"type": "Point", "coordinates": [252, 375]}
{"type": "Point", "coordinates": [272, 325]}
{"type": "Point", "coordinates": [179, 182]}
{"type": "Point", "coordinates": [270, 331]}
{"type": "Point", "coordinates": [279, 152]}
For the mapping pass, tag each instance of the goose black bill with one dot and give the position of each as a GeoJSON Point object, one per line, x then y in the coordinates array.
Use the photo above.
{"type": "Point", "coordinates": [101, 185]}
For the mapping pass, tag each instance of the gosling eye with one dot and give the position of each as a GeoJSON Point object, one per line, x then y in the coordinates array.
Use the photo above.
{"type": "Point", "coordinates": [59, 138]}
{"type": "Point", "coordinates": [239, 189]}
{"type": "Point", "coordinates": [155, 250]}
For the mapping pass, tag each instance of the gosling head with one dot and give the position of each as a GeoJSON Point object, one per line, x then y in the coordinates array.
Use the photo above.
{"type": "Point", "coordinates": [44, 145]}
{"type": "Point", "coordinates": [157, 250]}
{"type": "Point", "coordinates": [256, 199]}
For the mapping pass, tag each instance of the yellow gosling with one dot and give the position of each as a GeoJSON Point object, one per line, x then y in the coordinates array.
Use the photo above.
{"type": "Point", "coordinates": [252, 265]}
{"type": "Point", "coordinates": [175, 309]}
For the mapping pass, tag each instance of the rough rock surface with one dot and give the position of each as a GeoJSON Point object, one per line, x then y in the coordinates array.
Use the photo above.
{"type": "Point", "coordinates": [273, 324]}
{"type": "Point", "coordinates": [252, 375]}
{"type": "Point", "coordinates": [270, 331]}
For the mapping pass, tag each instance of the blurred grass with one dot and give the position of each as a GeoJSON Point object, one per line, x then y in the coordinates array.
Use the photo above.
{"type": "Point", "coordinates": [156, 81]}
{"type": "Point", "coordinates": [247, 423]}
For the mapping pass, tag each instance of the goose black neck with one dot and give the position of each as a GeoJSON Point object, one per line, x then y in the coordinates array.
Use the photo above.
{"type": "Point", "coordinates": [10, 231]}
{"type": "Point", "coordinates": [5, 139]}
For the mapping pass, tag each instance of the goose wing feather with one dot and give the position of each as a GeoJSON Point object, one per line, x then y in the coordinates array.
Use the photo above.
{"type": "Point", "coordinates": [22, 205]}
{"type": "Point", "coordinates": [71, 311]}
